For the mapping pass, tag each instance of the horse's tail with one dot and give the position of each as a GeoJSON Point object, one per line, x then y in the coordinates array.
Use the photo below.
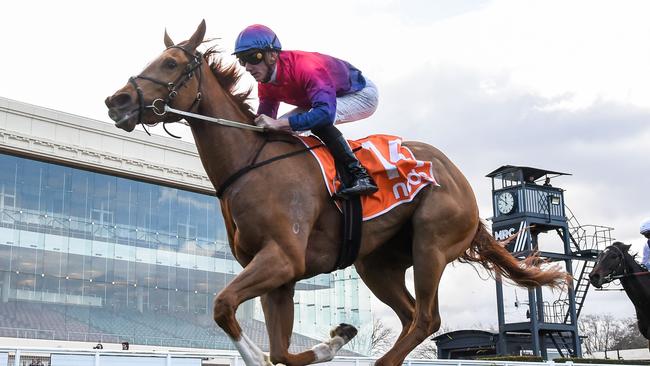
{"type": "Point", "coordinates": [492, 255]}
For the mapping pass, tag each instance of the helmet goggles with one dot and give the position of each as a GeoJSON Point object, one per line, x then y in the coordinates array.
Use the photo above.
{"type": "Point", "coordinates": [252, 57]}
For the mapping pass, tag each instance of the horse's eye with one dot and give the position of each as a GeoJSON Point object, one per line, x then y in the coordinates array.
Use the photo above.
{"type": "Point", "coordinates": [170, 64]}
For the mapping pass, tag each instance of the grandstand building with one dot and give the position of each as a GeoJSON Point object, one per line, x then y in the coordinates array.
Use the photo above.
{"type": "Point", "coordinates": [110, 237]}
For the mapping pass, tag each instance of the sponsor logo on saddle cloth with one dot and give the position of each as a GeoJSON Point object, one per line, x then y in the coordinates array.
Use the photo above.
{"type": "Point", "coordinates": [394, 168]}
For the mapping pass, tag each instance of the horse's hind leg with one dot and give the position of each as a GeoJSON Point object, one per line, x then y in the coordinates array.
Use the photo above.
{"type": "Point", "coordinates": [426, 318]}
{"type": "Point", "coordinates": [278, 312]}
{"type": "Point", "coordinates": [432, 249]}
{"type": "Point", "coordinates": [383, 271]}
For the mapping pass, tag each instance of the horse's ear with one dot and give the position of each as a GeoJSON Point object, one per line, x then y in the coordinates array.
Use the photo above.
{"type": "Point", "coordinates": [197, 37]}
{"type": "Point", "coordinates": [623, 246]}
{"type": "Point", "coordinates": [168, 40]}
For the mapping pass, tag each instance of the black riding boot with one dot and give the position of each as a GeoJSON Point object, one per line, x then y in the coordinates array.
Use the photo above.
{"type": "Point", "coordinates": [362, 183]}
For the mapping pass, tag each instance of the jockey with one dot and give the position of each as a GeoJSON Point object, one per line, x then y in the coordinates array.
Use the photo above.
{"type": "Point", "coordinates": [645, 231]}
{"type": "Point", "coordinates": [325, 90]}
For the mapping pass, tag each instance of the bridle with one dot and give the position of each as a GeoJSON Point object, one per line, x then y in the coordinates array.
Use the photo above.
{"type": "Point", "coordinates": [161, 106]}
{"type": "Point", "coordinates": [173, 87]}
{"type": "Point", "coordinates": [615, 274]}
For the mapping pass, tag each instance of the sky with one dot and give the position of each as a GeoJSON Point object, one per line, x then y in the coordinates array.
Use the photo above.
{"type": "Point", "coordinates": [558, 85]}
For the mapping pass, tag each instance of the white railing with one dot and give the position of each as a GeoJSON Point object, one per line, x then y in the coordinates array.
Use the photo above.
{"type": "Point", "coordinates": [26, 333]}
{"type": "Point", "coordinates": [65, 356]}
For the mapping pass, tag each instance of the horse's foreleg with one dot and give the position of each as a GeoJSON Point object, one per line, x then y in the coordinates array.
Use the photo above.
{"type": "Point", "coordinates": [339, 336]}
{"type": "Point", "coordinates": [269, 269]}
{"type": "Point", "coordinates": [278, 312]}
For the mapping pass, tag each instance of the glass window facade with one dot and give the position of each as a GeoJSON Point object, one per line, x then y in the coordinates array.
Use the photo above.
{"type": "Point", "coordinates": [93, 257]}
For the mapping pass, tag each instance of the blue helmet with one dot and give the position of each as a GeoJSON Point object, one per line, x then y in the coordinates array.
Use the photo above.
{"type": "Point", "coordinates": [257, 36]}
{"type": "Point", "coordinates": [645, 226]}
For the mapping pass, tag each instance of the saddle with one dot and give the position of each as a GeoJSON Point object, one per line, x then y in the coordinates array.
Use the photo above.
{"type": "Point", "coordinates": [398, 175]}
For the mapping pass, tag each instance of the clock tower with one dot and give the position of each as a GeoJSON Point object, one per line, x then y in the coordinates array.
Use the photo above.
{"type": "Point", "coordinates": [525, 203]}
{"type": "Point", "coordinates": [524, 196]}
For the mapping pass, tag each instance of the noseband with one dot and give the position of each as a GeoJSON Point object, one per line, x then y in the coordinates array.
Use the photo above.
{"type": "Point", "coordinates": [173, 87]}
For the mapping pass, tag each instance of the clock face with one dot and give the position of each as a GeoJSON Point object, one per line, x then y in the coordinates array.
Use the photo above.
{"type": "Point", "coordinates": [506, 202]}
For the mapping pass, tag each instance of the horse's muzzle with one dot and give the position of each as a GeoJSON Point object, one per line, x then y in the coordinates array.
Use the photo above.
{"type": "Point", "coordinates": [596, 280]}
{"type": "Point", "coordinates": [123, 118]}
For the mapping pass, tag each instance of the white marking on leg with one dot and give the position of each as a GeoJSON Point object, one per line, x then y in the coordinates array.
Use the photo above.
{"type": "Point", "coordinates": [250, 352]}
{"type": "Point", "coordinates": [325, 351]}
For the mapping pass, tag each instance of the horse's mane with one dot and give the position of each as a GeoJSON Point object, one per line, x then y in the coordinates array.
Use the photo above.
{"type": "Point", "coordinates": [228, 74]}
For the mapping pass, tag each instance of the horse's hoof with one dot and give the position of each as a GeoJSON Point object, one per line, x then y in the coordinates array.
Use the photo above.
{"type": "Point", "coordinates": [345, 331]}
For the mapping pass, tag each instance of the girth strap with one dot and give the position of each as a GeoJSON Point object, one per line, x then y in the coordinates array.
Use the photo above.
{"type": "Point", "coordinates": [351, 232]}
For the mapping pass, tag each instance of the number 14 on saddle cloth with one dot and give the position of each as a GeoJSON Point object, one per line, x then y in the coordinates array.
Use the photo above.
{"type": "Point", "coordinates": [394, 168]}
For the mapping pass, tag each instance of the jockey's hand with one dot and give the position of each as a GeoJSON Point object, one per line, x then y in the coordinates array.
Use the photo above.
{"type": "Point", "coordinates": [281, 125]}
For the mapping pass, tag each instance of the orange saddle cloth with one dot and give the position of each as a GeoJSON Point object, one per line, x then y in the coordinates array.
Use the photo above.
{"type": "Point", "coordinates": [395, 170]}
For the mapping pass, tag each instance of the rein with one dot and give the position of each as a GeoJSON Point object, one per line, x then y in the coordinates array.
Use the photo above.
{"type": "Point", "coordinates": [161, 111]}
{"type": "Point", "coordinates": [636, 274]}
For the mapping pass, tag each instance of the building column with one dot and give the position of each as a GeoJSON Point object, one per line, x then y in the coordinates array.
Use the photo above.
{"type": "Point", "coordinates": [502, 345]}
{"type": "Point", "coordinates": [6, 278]}
{"type": "Point", "coordinates": [534, 323]}
{"type": "Point", "coordinates": [139, 294]}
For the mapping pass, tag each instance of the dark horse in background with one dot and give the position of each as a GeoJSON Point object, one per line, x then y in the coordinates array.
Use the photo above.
{"type": "Point", "coordinates": [616, 263]}
{"type": "Point", "coordinates": [283, 227]}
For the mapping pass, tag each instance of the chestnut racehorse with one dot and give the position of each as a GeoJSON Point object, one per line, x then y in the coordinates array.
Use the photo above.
{"type": "Point", "coordinates": [283, 226]}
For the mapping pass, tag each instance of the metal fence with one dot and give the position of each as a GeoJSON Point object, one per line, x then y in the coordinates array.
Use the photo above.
{"type": "Point", "coordinates": [27, 356]}
{"type": "Point", "coordinates": [105, 338]}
